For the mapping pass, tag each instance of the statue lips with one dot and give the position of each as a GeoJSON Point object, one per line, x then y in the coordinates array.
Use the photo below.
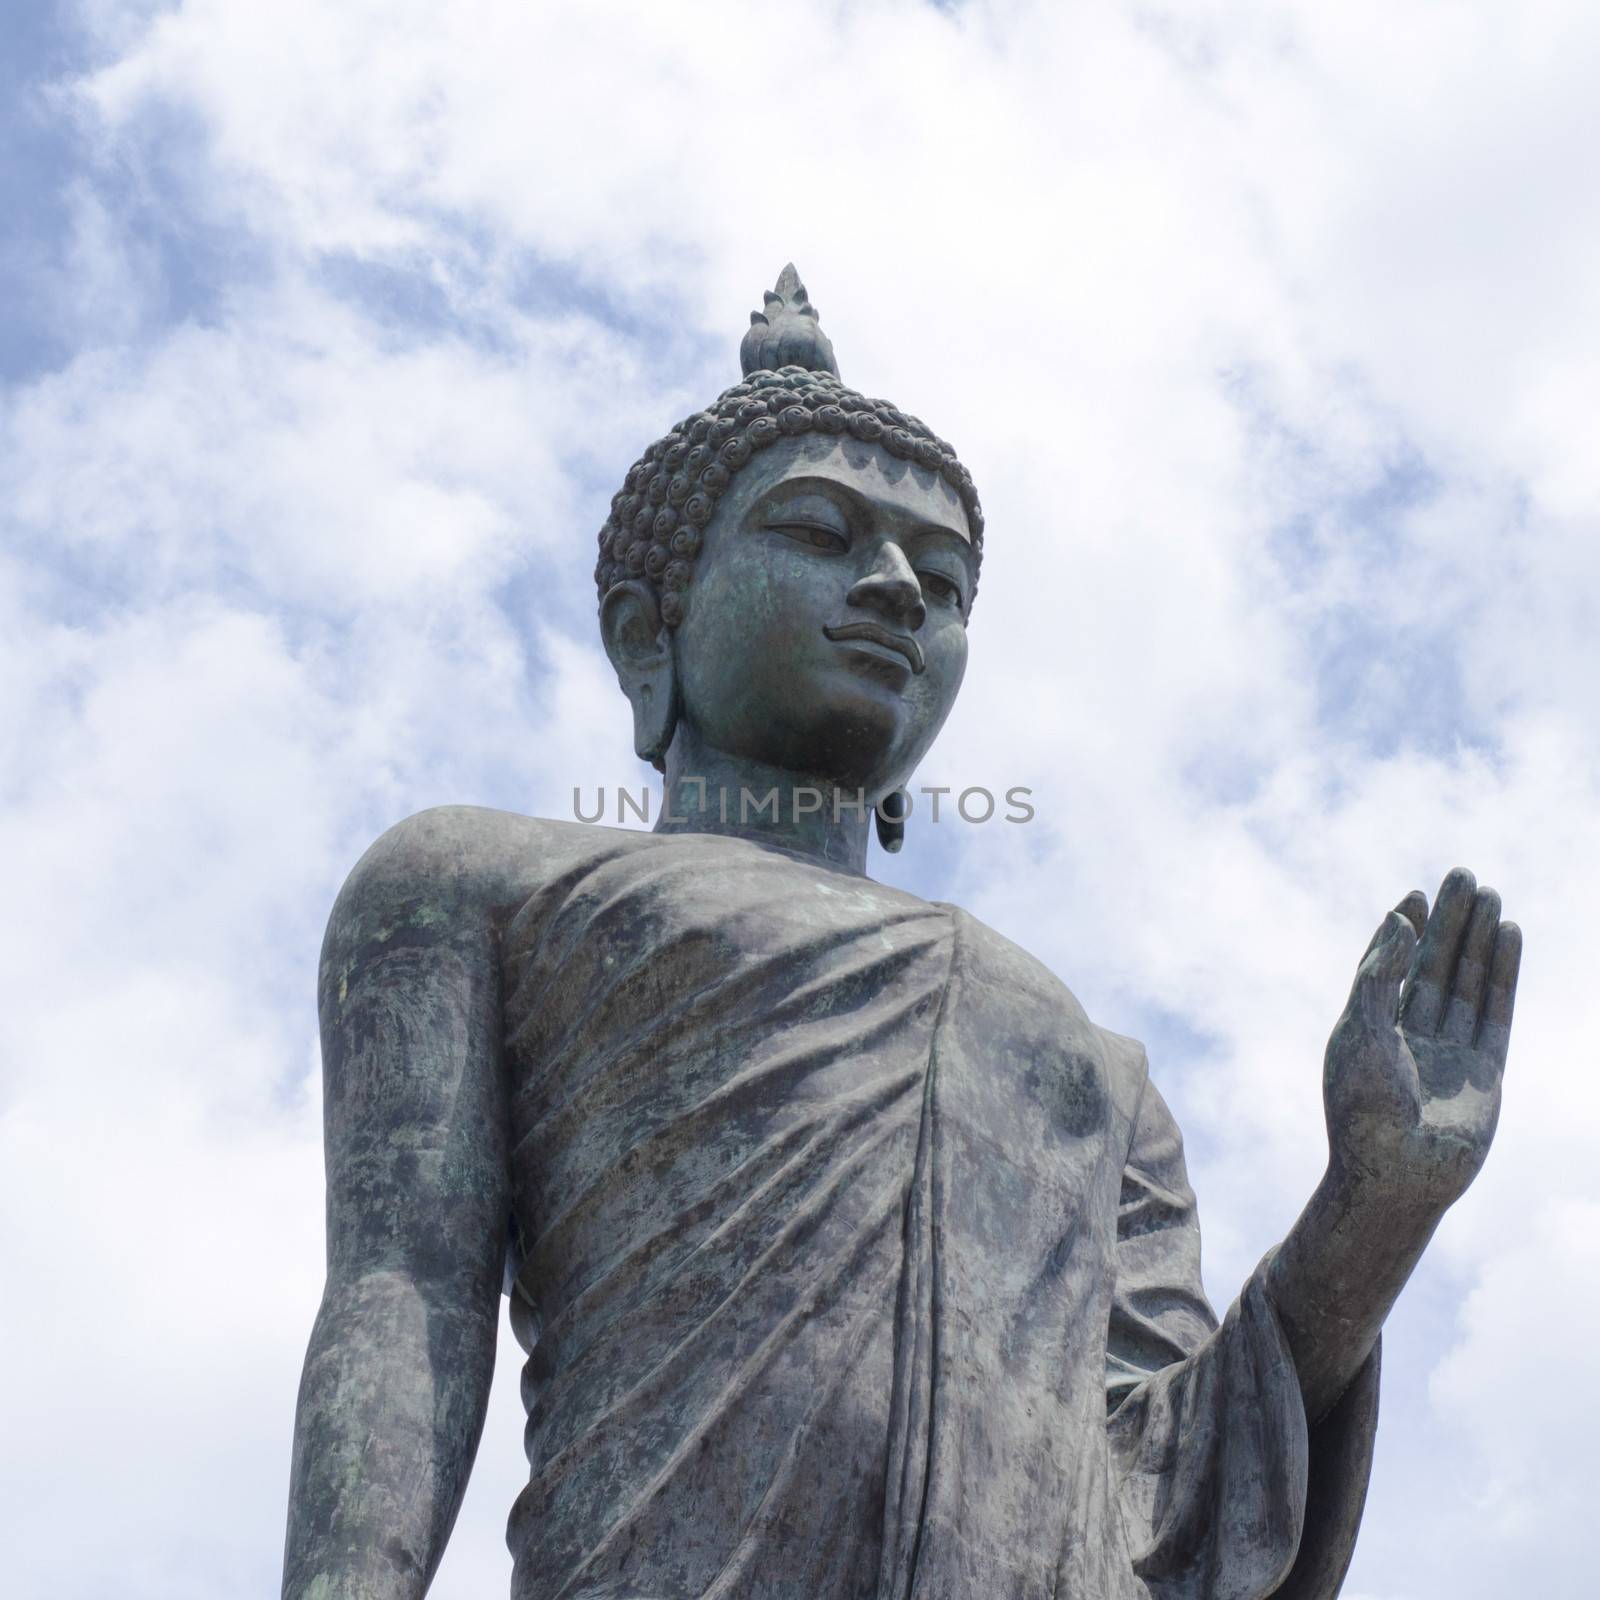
{"type": "Point", "coordinates": [875, 633]}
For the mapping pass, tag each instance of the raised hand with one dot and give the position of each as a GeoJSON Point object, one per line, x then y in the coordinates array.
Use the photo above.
{"type": "Point", "coordinates": [1411, 1079]}
{"type": "Point", "coordinates": [1411, 1083]}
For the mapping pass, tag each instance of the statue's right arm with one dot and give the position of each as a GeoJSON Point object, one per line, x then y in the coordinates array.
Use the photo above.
{"type": "Point", "coordinates": [397, 1375]}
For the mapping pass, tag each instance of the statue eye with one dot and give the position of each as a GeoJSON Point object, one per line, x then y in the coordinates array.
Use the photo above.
{"type": "Point", "coordinates": [941, 587]}
{"type": "Point", "coordinates": [815, 535]}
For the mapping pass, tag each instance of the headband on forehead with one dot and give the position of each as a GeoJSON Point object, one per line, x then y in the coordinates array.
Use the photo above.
{"type": "Point", "coordinates": [792, 386]}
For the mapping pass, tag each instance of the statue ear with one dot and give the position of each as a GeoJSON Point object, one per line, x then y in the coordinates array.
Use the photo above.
{"type": "Point", "coordinates": [640, 647]}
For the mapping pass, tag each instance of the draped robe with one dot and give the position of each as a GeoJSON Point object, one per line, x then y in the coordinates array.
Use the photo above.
{"type": "Point", "coordinates": [853, 1260]}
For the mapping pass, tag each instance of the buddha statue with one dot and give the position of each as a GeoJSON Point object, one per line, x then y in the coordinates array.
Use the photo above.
{"type": "Point", "coordinates": [852, 1260]}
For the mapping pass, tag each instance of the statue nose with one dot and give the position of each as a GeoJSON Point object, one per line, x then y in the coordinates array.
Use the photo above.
{"type": "Point", "coordinates": [891, 589]}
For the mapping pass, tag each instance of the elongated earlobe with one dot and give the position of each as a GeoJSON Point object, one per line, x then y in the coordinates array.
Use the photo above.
{"type": "Point", "coordinates": [639, 646]}
{"type": "Point", "coordinates": [890, 816]}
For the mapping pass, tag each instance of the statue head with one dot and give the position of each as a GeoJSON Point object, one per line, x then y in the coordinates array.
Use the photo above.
{"type": "Point", "coordinates": [789, 572]}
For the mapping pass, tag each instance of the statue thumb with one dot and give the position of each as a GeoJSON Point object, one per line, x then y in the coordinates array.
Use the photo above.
{"type": "Point", "coordinates": [1375, 995]}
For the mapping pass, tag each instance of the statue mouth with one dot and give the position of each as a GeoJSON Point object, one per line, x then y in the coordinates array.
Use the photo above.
{"type": "Point", "coordinates": [876, 633]}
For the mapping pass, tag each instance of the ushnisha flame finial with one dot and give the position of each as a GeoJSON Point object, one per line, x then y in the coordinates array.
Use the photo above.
{"type": "Point", "coordinates": [786, 332]}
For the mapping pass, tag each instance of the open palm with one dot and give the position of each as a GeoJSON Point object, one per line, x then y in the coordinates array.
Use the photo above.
{"type": "Point", "coordinates": [1411, 1080]}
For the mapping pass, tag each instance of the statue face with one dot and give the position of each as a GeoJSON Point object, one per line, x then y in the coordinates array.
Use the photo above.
{"type": "Point", "coordinates": [826, 627]}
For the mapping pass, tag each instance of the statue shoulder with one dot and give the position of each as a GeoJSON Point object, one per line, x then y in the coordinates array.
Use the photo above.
{"type": "Point", "coordinates": [450, 874]}
{"type": "Point", "coordinates": [1127, 1060]}
{"type": "Point", "coordinates": [1127, 1074]}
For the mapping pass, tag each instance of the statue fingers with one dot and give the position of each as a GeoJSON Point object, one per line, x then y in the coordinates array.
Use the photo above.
{"type": "Point", "coordinates": [1375, 995]}
{"type": "Point", "coordinates": [1432, 975]}
{"type": "Point", "coordinates": [1494, 1031]}
{"type": "Point", "coordinates": [1414, 908]}
{"type": "Point", "coordinates": [1470, 983]}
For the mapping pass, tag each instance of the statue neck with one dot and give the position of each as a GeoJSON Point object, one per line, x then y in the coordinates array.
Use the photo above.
{"type": "Point", "coordinates": [709, 792]}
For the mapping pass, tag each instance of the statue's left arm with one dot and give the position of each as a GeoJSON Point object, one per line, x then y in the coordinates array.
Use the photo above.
{"type": "Point", "coordinates": [1411, 1085]}
{"type": "Point", "coordinates": [1241, 1452]}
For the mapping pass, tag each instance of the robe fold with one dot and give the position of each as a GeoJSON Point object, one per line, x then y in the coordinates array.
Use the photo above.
{"type": "Point", "coordinates": [855, 1263]}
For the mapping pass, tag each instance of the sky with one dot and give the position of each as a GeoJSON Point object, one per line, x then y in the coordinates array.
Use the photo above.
{"type": "Point", "coordinates": [1268, 332]}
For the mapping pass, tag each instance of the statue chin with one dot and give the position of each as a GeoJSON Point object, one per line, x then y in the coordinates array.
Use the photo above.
{"type": "Point", "coordinates": [852, 740]}
{"type": "Point", "coordinates": [848, 712]}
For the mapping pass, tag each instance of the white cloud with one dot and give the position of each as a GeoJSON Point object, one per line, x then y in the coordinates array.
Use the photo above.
{"type": "Point", "coordinates": [1263, 330]}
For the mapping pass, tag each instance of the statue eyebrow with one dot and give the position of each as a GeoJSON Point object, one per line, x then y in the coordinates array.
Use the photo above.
{"type": "Point", "coordinates": [819, 488]}
{"type": "Point", "coordinates": [850, 501]}
{"type": "Point", "coordinates": [946, 535]}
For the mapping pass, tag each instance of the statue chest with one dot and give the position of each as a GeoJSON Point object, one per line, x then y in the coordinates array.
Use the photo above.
{"type": "Point", "coordinates": [688, 1021]}
{"type": "Point", "coordinates": [815, 1184]}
